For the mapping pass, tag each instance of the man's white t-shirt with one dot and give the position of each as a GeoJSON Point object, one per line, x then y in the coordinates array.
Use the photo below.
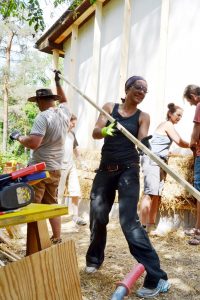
{"type": "Point", "coordinates": [52, 124]}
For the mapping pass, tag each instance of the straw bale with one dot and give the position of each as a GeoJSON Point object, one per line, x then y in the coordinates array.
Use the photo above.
{"type": "Point", "coordinates": [174, 196]}
{"type": "Point", "coordinates": [85, 180]}
{"type": "Point", "coordinates": [90, 159]}
{"type": "Point", "coordinates": [91, 155]}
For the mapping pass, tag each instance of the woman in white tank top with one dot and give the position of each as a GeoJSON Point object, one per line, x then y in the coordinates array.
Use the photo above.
{"type": "Point", "coordinates": [154, 176]}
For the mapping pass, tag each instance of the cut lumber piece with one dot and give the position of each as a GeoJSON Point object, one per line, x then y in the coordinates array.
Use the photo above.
{"type": "Point", "coordinates": [14, 231]}
{"type": "Point", "coordinates": [37, 237]}
{"type": "Point", "coordinates": [10, 257]}
{"type": "Point", "coordinates": [5, 249]}
{"type": "Point", "coordinates": [49, 274]}
{"type": "Point", "coordinates": [3, 238]}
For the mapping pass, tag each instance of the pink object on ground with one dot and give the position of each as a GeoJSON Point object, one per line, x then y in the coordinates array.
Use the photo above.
{"type": "Point", "coordinates": [132, 277]}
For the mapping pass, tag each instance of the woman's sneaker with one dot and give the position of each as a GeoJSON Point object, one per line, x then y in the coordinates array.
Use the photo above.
{"type": "Point", "coordinates": [79, 221]}
{"type": "Point", "coordinates": [90, 270]}
{"type": "Point", "coordinates": [162, 287]}
{"type": "Point", "coordinates": [147, 293]}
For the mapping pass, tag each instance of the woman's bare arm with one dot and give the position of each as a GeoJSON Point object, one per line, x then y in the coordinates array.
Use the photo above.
{"type": "Point", "coordinates": [102, 120]}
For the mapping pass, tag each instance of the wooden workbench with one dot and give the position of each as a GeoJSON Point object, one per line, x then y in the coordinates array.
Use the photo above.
{"type": "Point", "coordinates": [35, 216]}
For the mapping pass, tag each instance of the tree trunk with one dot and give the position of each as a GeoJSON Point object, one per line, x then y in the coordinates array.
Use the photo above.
{"type": "Point", "coordinates": [5, 90]}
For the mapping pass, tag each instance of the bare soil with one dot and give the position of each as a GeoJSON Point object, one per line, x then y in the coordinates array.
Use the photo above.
{"type": "Point", "coordinates": [180, 260]}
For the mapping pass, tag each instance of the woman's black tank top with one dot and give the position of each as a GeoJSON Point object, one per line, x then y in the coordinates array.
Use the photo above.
{"type": "Point", "coordinates": [119, 149]}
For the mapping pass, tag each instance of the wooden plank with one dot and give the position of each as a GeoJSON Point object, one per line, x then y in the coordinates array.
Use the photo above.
{"type": "Point", "coordinates": [33, 212]}
{"type": "Point", "coordinates": [94, 88]}
{"type": "Point", "coordinates": [9, 256]}
{"type": "Point", "coordinates": [49, 274]}
{"type": "Point", "coordinates": [73, 59]}
{"type": "Point", "coordinates": [37, 237]}
{"type": "Point", "coordinates": [125, 46]}
{"type": "Point", "coordinates": [5, 249]}
{"type": "Point", "coordinates": [55, 63]}
{"type": "Point", "coordinates": [161, 80]}
{"type": "Point", "coordinates": [14, 231]}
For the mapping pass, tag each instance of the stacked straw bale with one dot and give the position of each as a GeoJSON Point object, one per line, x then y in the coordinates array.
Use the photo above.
{"type": "Point", "coordinates": [91, 159]}
{"type": "Point", "coordinates": [174, 196]}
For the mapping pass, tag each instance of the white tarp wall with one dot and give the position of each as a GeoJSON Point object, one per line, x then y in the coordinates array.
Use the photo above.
{"type": "Point", "coordinates": [157, 39]}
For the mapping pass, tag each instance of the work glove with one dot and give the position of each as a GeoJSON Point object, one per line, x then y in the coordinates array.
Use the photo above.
{"type": "Point", "coordinates": [145, 141]}
{"type": "Point", "coordinates": [109, 130]}
{"type": "Point", "coordinates": [15, 135]}
{"type": "Point", "coordinates": [57, 77]}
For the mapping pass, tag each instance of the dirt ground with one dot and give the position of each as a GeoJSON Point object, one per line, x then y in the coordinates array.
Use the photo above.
{"type": "Point", "coordinates": [180, 260]}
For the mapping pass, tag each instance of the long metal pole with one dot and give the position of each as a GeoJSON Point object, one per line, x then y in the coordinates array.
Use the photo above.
{"type": "Point", "coordinates": [134, 140]}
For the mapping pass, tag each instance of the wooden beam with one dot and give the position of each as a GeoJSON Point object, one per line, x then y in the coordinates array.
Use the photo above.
{"type": "Point", "coordinates": [50, 45]}
{"type": "Point", "coordinates": [8, 255]}
{"type": "Point", "coordinates": [161, 82]}
{"type": "Point", "coordinates": [94, 91]}
{"type": "Point", "coordinates": [37, 237]}
{"type": "Point", "coordinates": [125, 42]}
{"type": "Point", "coordinates": [96, 50]}
{"type": "Point", "coordinates": [73, 58]}
{"type": "Point", "coordinates": [49, 274]}
{"type": "Point", "coordinates": [55, 63]}
{"type": "Point", "coordinates": [77, 22]}
{"type": "Point", "coordinates": [5, 249]}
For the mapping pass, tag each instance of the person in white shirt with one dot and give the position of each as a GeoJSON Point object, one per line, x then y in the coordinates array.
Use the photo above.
{"type": "Point", "coordinates": [69, 177]}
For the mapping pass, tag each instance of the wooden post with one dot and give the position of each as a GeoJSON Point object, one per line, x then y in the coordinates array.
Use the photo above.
{"type": "Point", "coordinates": [37, 237]}
{"type": "Point", "coordinates": [73, 59]}
{"type": "Point", "coordinates": [125, 46]}
{"type": "Point", "coordinates": [55, 61]}
{"type": "Point", "coordinates": [161, 82]}
{"type": "Point", "coordinates": [96, 60]}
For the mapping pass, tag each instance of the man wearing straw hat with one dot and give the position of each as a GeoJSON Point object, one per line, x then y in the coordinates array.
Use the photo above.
{"type": "Point", "coordinates": [46, 139]}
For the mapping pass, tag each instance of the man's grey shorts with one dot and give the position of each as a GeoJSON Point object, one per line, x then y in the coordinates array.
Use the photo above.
{"type": "Point", "coordinates": [154, 176]}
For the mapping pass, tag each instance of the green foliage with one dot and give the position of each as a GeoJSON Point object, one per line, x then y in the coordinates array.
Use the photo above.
{"type": "Point", "coordinates": [22, 121]}
{"type": "Point", "coordinates": [24, 10]}
{"type": "Point", "coordinates": [12, 156]}
{"type": "Point", "coordinates": [31, 110]}
{"type": "Point", "coordinates": [73, 4]}
{"type": "Point", "coordinates": [30, 11]}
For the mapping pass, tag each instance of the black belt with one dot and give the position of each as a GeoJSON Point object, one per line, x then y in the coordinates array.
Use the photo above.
{"type": "Point", "coordinates": [116, 167]}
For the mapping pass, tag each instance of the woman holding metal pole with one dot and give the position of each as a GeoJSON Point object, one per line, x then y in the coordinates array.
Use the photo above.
{"type": "Point", "coordinates": [119, 170]}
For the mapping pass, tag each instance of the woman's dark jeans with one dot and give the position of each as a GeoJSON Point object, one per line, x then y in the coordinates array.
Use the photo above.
{"type": "Point", "coordinates": [197, 173]}
{"type": "Point", "coordinates": [102, 197]}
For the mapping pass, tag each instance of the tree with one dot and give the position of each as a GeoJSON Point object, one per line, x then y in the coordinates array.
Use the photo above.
{"type": "Point", "coordinates": [28, 11]}
{"type": "Point", "coordinates": [20, 74]}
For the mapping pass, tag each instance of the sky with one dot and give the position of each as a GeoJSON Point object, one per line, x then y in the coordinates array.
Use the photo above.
{"type": "Point", "coordinates": [52, 14]}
